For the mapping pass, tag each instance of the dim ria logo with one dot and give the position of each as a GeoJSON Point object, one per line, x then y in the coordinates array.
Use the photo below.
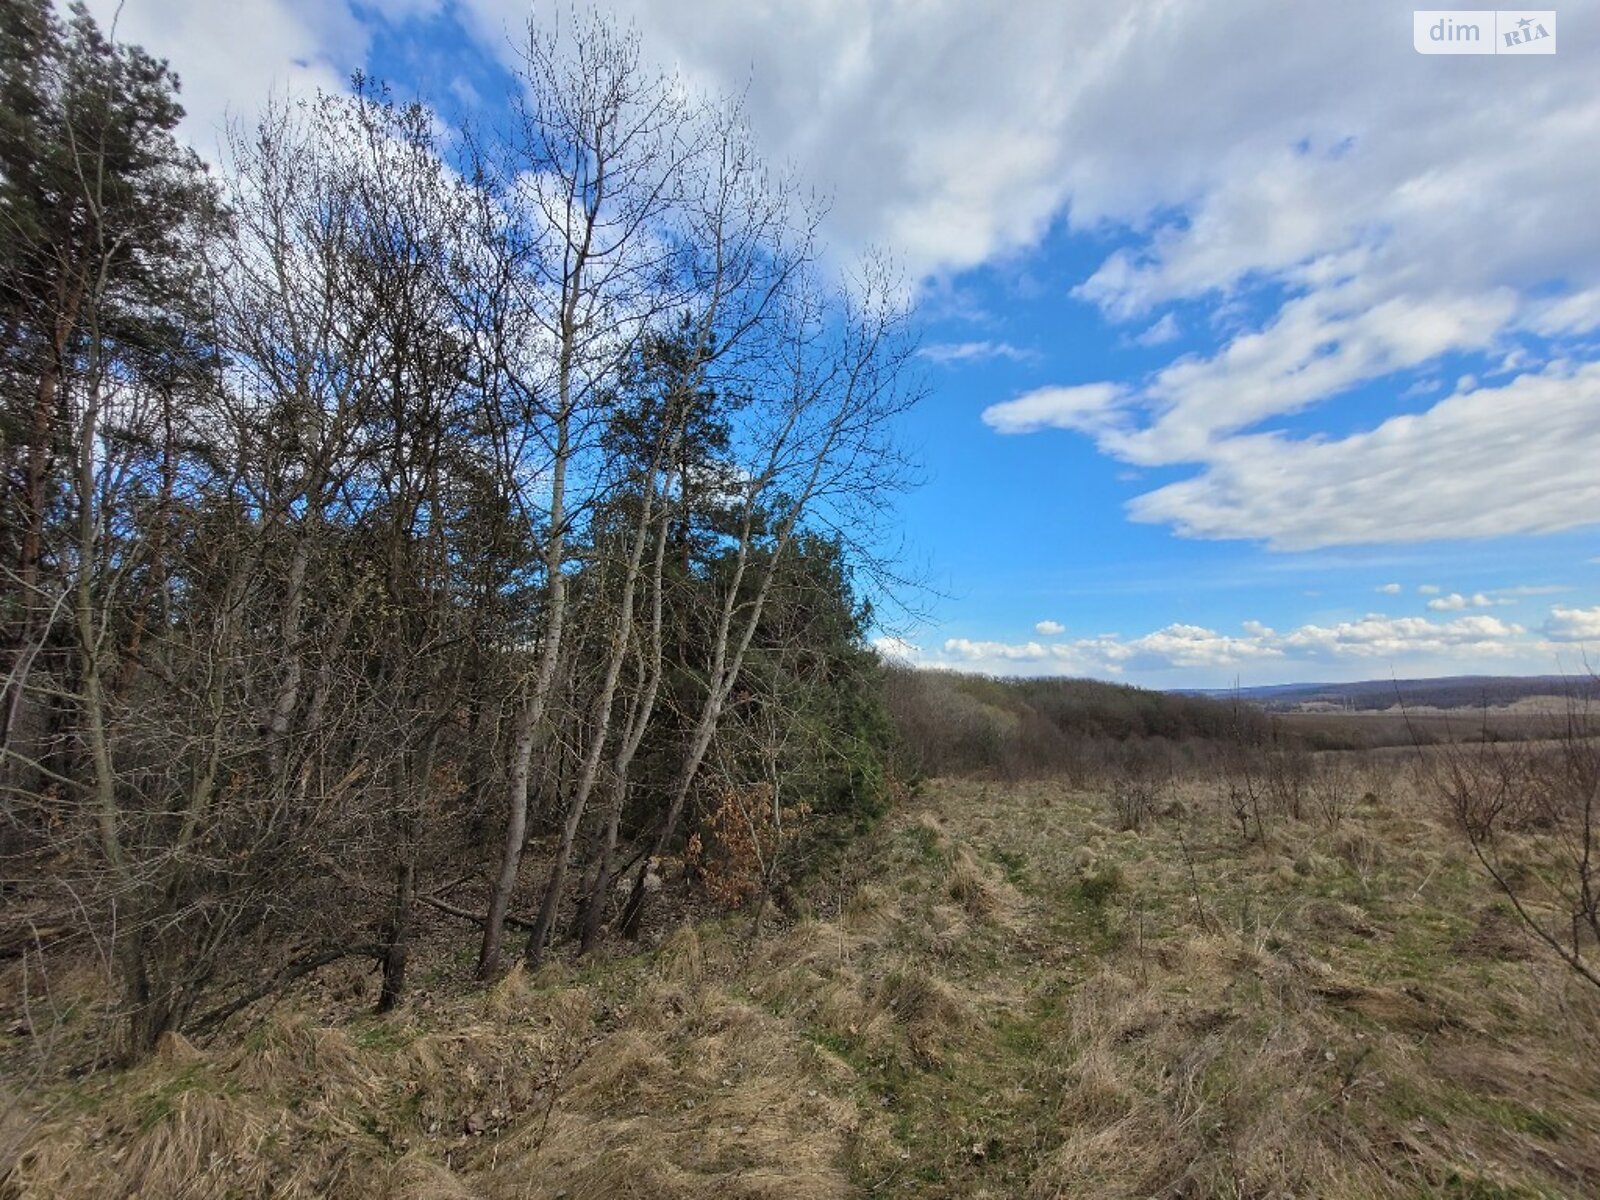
{"type": "Point", "coordinates": [1485, 31]}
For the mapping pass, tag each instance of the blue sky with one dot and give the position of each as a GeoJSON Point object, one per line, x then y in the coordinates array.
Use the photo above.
{"type": "Point", "coordinates": [1258, 346]}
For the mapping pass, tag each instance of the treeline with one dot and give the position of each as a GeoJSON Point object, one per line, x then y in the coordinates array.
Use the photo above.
{"type": "Point", "coordinates": [951, 723]}
{"type": "Point", "coordinates": [1465, 691]}
{"type": "Point", "coordinates": [390, 502]}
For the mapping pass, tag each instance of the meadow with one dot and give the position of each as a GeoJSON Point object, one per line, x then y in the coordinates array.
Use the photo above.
{"type": "Point", "coordinates": [1031, 988]}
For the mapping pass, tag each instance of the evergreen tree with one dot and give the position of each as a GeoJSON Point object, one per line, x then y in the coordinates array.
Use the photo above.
{"type": "Point", "coordinates": [103, 221]}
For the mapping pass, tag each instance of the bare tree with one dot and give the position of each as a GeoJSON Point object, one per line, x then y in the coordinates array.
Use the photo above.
{"type": "Point", "coordinates": [595, 169]}
{"type": "Point", "coordinates": [817, 441]}
{"type": "Point", "coordinates": [1531, 813]}
{"type": "Point", "coordinates": [436, 486]}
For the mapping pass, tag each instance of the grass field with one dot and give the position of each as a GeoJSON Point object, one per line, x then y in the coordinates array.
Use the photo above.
{"type": "Point", "coordinates": [997, 994]}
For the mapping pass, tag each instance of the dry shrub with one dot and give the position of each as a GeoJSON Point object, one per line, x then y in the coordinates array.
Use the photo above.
{"type": "Point", "coordinates": [935, 1016]}
{"type": "Point", "coordinates": [808, 976]}
{"type": "Point", "coordinates": [979, 889]}
{"type": "Point", "coordinates": [1097, 1091]}
{"type": "Point", "coordinates": [627, 1072]}
{"type": "Point", "coordinates": [205, 1144]}
{"type": "Point", "coordinates": [949, 924]}
{"type": "Point", "coordinates": [179, 1132]}
{"type": "Point", "coordinates": [737, 848]}
{"type": "Point", "coordinates": [416, 1177]}
{"type": "Point", "coordinates": [681, 958]}
{"type": "Point", "coordinates": [1499, 937]}
{"type": "Point", "coordinates": [843, 1008]}
{"type": "Point", "coordinates": [1136, 798]}
{"type": "Point", "coordinates": [967, 883]}
{"type": "Point", "coordinates": [723, 1102]}
{"type": "Point", "coordinates": [471, 1068]}
{"type": "Point", "coordinates": [870, 910]}
{"type": "Point", "coordinates": [1388, 1007]}
{"type": "Point", "coordinates": [1334, 787]}
{"type": "Point", "coordinates": [1360, 850]}
{"type": "Point", "coordinates": [511, 994]}
{"type": "Point", "coordinates": [1333, 916]}
{"type": "Point", "coordinates": [292, 1050]}
{"type": "Point", "coordinates": [1188, 1097]}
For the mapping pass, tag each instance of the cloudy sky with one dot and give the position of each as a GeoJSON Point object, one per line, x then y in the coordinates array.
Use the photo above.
{"type": "Point", "coordinates": [1260, 346]}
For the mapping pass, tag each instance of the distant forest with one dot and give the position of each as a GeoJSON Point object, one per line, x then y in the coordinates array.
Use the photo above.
{"type": "Point", "coordinates": [949, 723]}
{"type": "Point", "coordinates": [1460, 691]}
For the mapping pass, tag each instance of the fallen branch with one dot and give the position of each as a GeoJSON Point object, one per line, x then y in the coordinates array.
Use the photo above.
{"type": "Point", "coordinates": [286, 975]}
{"type": "Point", "coordinates": [16, 943]}
{"type": "Point", "coordinates": [445, 906]}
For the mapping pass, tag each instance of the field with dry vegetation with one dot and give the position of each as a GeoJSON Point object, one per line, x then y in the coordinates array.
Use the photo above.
{"type": "Point", "coordinates": [1027, 989]}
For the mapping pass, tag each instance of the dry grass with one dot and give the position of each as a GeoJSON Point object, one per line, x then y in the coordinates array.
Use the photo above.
{"type": "Point", "coordinates": [1000, 996]}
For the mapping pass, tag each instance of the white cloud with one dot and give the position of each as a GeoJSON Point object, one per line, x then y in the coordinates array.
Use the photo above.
{"type": "Point", "coordinates": [962, 648]}
{"type": "Point", "coordinates": [1492, 462]}
{"type": "Point", "coordinates": [1573, 624]}
{"type": "Point", "coordinates": [1082, 408]}
{"type": "Point", "coordinates": [1371, 209]}
{"type": "Point", "coordinates": [1317, 345]}
{"type": "Point", "coordinates": [1455, 602]}
{"type": "Point", "coordinates": [1428, 589]}
{"type": "Point", "coordinates": [897, 648]}
{"type": "Point", "coordinates": [1049, 628]}
{"type": "Point", "coordinates": [1304, 651]}
{"type": "Point", "coordinates": [1389, 589]}
{"type": "Point", "coordinates": [1503, 595]}
{"type": "Point", "coordinates": [1163, 331]}
{"type": "Point", "coordinates": [1305, 144]}
{"type": "Point", "coordinates": [231, 57]}
{"type": "Point", "coordinates": [946, 353]}
{"type": "Point", "coordinates": [1303, 162]}
{"type": "Point", "coordinates": [1377, 636]}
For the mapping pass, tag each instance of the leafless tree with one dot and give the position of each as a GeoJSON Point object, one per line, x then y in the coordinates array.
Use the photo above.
{"type": "Point", "coordinates": [1531, 813]}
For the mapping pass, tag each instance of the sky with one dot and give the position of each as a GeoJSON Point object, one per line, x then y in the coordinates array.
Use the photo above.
{"type": "Point", "coordinates": [1258, 347]}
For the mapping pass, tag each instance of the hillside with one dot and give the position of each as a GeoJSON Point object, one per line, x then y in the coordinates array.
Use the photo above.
{"type": "Point", "coordinates": [998, 993]}
{"type": "Point", "coordinates": [1457, 691]}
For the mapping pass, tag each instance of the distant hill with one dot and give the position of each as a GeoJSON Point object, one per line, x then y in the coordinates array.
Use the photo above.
{"type": "Point", "coordinates": [1458, 691]}
{"type": "Point", "coordinates": [952, 724]}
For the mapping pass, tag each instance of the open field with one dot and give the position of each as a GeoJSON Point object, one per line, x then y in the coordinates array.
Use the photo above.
{"type": "Point", "coordinates": [1000, 994]}
{"type": "Point", "coordinates": [1531, 720]}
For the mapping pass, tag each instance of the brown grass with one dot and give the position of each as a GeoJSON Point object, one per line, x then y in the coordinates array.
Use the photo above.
{"type": "Point", "coordinates": [1000, 996]}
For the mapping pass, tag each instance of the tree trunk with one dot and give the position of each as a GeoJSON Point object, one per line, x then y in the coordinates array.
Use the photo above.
{"type": "Point", "coordinates": [398, 944]}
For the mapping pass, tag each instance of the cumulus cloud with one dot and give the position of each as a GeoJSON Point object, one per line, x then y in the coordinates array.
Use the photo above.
{"type": "Point", "coordinates": [1049, 628]}
{"type": "Point", "coordinates": [1389, 589]}
{"type": "Point", "coordinates": [1447, 472]}
{"type": "Point", "coordinates": [1082, 408]}
{"type": "Point", "coordinates": [1509, 595]}
{"type": "Point", "coordinates": [1429, 589]}
{"type": "Point", "coordinates": [1374, 638]}
{"type": "Point", "coordinates": [1320, 201]}
{"type": "Point", "coordinates": [1455, 602]}
{"type": "Point", "coordinates": [971, 651]}
{"type": "Point", "coordinates": [1304, 146]}
{"type": "Point", "coordinates": [232, 57]}
{"type": "Point", "coordinates": [897, 648]}
{"type": "Point", "coordinates": [1573, 624]}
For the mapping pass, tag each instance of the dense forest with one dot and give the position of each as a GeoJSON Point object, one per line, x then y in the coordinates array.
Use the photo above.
{"type": "Point", "coordinates": [386, 502]}
{"type": "Point", "coordinates": [1463, 691]}
{"type": "Point", "coordinates": [957, 724]}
